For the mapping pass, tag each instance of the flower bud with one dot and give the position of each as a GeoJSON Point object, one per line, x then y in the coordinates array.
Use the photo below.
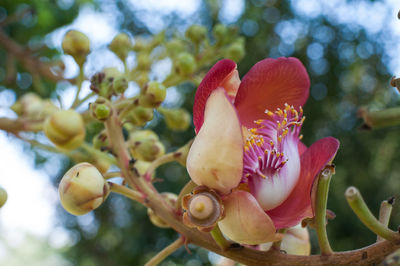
{"type": "Point", "coordinates": [140, 44]}
{"type": "Point", "coordinates": [139, 116]}
{"type": "Point", "coordinates": [152, 95]}
{"type": "Point", "coordinates": [142, 166]}
{"type": "Point", "coordinates": [220, 32]}
{"type": "Point", "coordinates": [120, 84]}
{"type": "Point", "coordinates": [203, 209]}
{"type": "Point", "coordinates": [121, 45]}
{"type": "Point", "coordinates": [196, 33]}
{"type": "Point", "coordinates": [101, 109]}
{"type": "Point", "coordinates": [65, 129]}
{"type": "Point", "coordinates": [142, 79]}
{"type": "Point", "coordinates": [171, 199]}
{"type": "Point", "coordinates": [143, 62]}
{"type": "Point", "coordinates": [3, 197]}
{"type": "Point", "coordinates": [100, 140]}
{"type": "Point", "coordinates": [174, 47]}
{"type": "Point", "coordinates": [235, 51]}
{"type": "Point", "coordinates": [186, 64]}
{"type": "Point", "coordinates": [77, 45]}
{"type": "Point", "coordinates": [82, 189]}
{"type": "Point", "coordinates": [30, 105]}
{"type": "Point", "coordinates": [145, 145]}
{"type": "Point", "coordinates": [176, 119]}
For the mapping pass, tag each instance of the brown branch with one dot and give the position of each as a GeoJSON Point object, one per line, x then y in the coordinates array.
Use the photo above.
{"type": "Point", "coordinates": [14, 126]}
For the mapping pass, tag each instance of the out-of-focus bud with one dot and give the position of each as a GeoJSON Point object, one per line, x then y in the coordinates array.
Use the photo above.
{"type": "Point", "coordinates": [102, 82]}
{"type": "Point", "coordinates": [185, 64]}
{"type": "Point", "coordinates": [65, 129]}
{"type": "Point", "coordinates": [176, 119]}
{"type": "Point", "coordinates": [32, 106]}
{"type": "Point", "coordinates": [220, 31]}
{"type": "Point", "coordinates": [120, 84]}
{"type": "Point", "coordinates": [121, 45]}
{"type": "Point", "coordinates": [378, 119]}
{"type": "Point", "coordinates": [203, 209]}
{"type": "Point", "coordinates": [171, 199]}
{"type": "Point", "coordinates": [196, 33]}
{"type": "Point", "coordinates": [296, 241]}
{"type": "Point", "coordinates": [145, 145]}
{"type": "Point", "coordinates": [100, 141]}
{"type": "Point", "coordinates": [3, 197]}
{"type": "Point", "coordinates": [152, 95]}
{"type": "Point", "coordinates": [77, 45]}
{"type": "Point", "coordinates": [142, 79]}
{"type": "Point", "coordinates": [235, 51]}
{"type": "Point", "coordinates": [142, 166]}
{"type": "Point", "coordinates": [101, 109]}
{"type": "Point", "coordinates": [140, 44]}
{"type": "Point", "coordinates": [101, 164]}
{"type": "Point", "coordinates": [82, 189]}
{"type": "Point", "coordinates": [174, 47]}
{"type": "Point", "coordinates": [139, 116]}
{"type": "Point", "coordinates": [143, 62]}
{"type": "Point", "coordinates": [158, 39]}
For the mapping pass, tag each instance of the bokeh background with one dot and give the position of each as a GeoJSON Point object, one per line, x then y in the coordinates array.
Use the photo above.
{"type": "Point", "coordinates": [350, 49]}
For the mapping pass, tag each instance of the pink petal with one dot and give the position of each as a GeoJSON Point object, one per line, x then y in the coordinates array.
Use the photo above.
{"type": "Point", "coordinates": [215, 158]}
{"type": "Point", "coordinates": [298, 205]}
{"type": "Point", "coordinates": [214, 78]}
{"type": "Point", "coordinates": [269, 85]}
{"type": "Point", "coordinates": [245, 222]}
{"type": "Point", "coordinates": [302, 148]}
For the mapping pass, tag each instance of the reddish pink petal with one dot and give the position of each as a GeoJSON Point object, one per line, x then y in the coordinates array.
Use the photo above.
{"type": "Point", "coordinates": [214, 78]}
{"type": "Point", "coordinates": [269, 85]}
{"type": "Point", "coordinates": [302, 148]}
{"type": "Point", "coordinates": [298, 205]}
{"type": "Point", "coordinates": [245, 221]}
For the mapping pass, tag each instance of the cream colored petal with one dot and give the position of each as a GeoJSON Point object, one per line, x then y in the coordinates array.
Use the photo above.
{"type": "Point", "coordinates": [216, 156]}
{"type": "Point", "coordinates": [245, 222]}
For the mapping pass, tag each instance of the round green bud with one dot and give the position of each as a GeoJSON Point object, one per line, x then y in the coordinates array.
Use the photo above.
{"type": "Point", "coordinates": [142, 166]}
{"type": "Point", "coordinates": [100, 141]}
{"type": "Point", "coordinates": [139, 116]}
{"type": "Point", "coordinates": [100, 111]}
{"type": "Point", "coordinates": [82, 189]}
{"type": "Point", "coordinates": [121, 45]}
{"type": "Point", "coordinates": [152, 95]}
{"type": "Point", "coordinates": [120, 84]}
{"type": "Point", "coordinates": [171, 199]}
{"type": "Point", "coordinates": [140, 44]}
{"type": "Point", "coordinates": [186, 64]}
{"type": "Point", "coordinates": [143, 62]}
{"type": "Point", "coordinates": [3, 197]}
{"type": "Point", "coordinates": [77, 45]}
{"type": "Point", "coordinates": [174, 47]}
{"type": "Point", "coordinates": [143, 135]}
{"type": "Point", "coordinates": [65, 129]}
{"type": "Point", "coordinates": [176, 119]}
{"type": "Point", "coordinates": [220, 32]}
{"type": "Point", "coordinates": [142, 79]}
{"type": "Point", "coordinates": [196, 33]}
{"type": "Point", "coordinates": [235, 51]}
{"type": "Point", "coordinates": [30, 105]}
{"type": "Point", "coordinates": [145, 145]}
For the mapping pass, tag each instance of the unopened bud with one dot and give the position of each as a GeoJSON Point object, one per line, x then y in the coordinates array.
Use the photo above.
{"type": "Point", "coordinates": [235, 51]}
{"type": "Point", "coordinates": [30, 105]}
{"type": "Point", "coordinates": [196, 33]}
{"type": "Point", "coordinates": [142, 166]}
{"type": "Point", "coordinates": [77, 45]}
{"type": "Point", "coordinates": [65, 129]}
{"type": "Point", "coordinates": [140, 44]}
{"type": "Point", "coordinates": [174, 47]}
{"type": "Point", "coordinates": [120, 84]}
{"type": "Point", "coordinates": [82, 189]}
{"type": "Point", "coordinates": [100, 141]}
{"type": "Point", "coordinates": [101, 109]}
{"type": "Point", "coordinates": [153, 94]}
{"type": "Point", "coordinates": [145, 145]}
{"type": "Point", "coordinates": [143, 62]}
{"type": "Point", "coordinates": [186, 64]}
{"type": "Point", "coordinates": [171, 199]}
{"type": "Point", "coordinates": [102, 82]}
{"type": "Point", "coordinates": [3, 197]}
{"type": "Point", "coordinates": [142, 79]}
{"type": "Point", "coordinates": [220, 32]}
{"type": "Point", "coordinates": [121, 45]}
{"type": "Point", "coordinates": [378, 119]}
{"type": "Point", "coordinates": [139, 116]}
{"type": "Point", "coordinates": [176, 119]}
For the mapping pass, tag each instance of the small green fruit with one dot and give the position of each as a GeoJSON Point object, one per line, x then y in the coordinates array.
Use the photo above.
{"type": "Point", "coordinates": [77, 45]}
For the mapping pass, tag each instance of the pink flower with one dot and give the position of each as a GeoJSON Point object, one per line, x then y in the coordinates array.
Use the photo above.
{"type": "Point", "coordinates": [248, 147]}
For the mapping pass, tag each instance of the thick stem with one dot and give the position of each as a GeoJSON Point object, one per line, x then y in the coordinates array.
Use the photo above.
{"type": "Point", "coordinates": [320, 212]}
{"type": "Point", "coordinates": [277, 244]}
{"type": "Point", "coordinates": [127, 192]}
{"type": "Point", "coordinates": [166, 252]}
{"type": "Point", "coordinates": [166, 158]}
{"type": "Point", "coordinates": [358, 205]}
{"type": "Point", "coordinates": [384, 213]}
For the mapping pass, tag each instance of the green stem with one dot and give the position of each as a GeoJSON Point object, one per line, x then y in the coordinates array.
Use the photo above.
{"type": "Point", "coordinates": [166, 252]}
{"type": "Point", "coordinates": [324, 179]}
{"type": "Point", "coordinates": [359, 207]}
{"type": "Point", "coordinates": [384, 214]}
{"type": "Point", "coordinates": [98, 153]}
{"type": "Point", "coordinates": [219, 238]}
{"type": "Point", "coordinates": [127, 192]}
{"type": "Point", "coordinates": [112, 174]}
{"type": "Point", "coordinates": [80, 80]}
{"type": "Point", "coordinates": [166, 158]}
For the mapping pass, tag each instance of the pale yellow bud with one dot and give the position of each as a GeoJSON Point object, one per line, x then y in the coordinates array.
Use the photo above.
{"type": "Point", "coordinates": [82, 189]}
{"type": "Point", "coordinates": [145, 145]}
{"type": "Point", "coordinates": [30, 105]}
{"type": "Point", "coordinates": [153, 94]}
{"type": "Point", "coordinates": [3, 196]}
{"type": "Point", "coordinates": [121, 45]}
{"type": "Point", "coordinates": [65, 129]}
{"type": "Point", "coordinates": [176, 119]}
{"type": "Point", "coordinates": [76, 44]}
{"type": "Point", "coordinates": [155, 219]}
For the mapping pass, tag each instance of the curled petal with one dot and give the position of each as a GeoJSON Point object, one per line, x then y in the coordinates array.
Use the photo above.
{"type": "Point", "coordinates": [270, 84]}
{"type": "Point", "coordinates": [216, 156]}
{"type": "Point", "coordinates": [218, 76]}
{"type": "Point", "coordinates": [245, 222]}
{"type": "Point", "coordinates": [298, 205]}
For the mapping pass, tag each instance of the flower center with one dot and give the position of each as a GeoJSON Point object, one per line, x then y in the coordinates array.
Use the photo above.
{"type": "Point", "coordinates": [264, 148]}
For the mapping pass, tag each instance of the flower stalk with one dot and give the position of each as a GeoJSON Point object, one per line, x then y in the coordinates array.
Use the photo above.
{"type": "Point", "coordinates": [127, 192]}
{"type": "Point", "coordinates": [384, 213]}
{"type": "Point", "coordinates": [166, 252]}
{"type": "Point", "coordinates": [219, 238]}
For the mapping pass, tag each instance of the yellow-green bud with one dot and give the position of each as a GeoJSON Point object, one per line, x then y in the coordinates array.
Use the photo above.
{"type": "Point", "coordinates": [220, 32]}
{"type": "Point", "coordinates": [82, 189]}
{"type": "Point", "coordinates": [142, 166]}
{"type": "Point", "coordinates": [186, 64]}
{"type": "Point", "coordinates": [65, 129]}
{"type": "Point", "coordinates": [140, 44]}
{"type": "Point", "coordinates": [143, 62]}
{"type": "Point", "coordinates": [142, 79]}
{"type": "Point", "coordinates": [121, 45]}
{"type": "Point", "coordinates": [143, 135]}
{"type": "Point", "coordinates": [140, 115]}
{"type": "Point", "coordinates": [176, 119]}
{"type": "Point", "coordinates": [101, 109]}
{"type": "Point", "coordinates": [155, 219]}
{"type": "Point", "coordinates": [30, 105]}
{"type": "Point", "coordinates": [145, 145]}
{"type": "Point", "coordinates": [235, 51]}
{"type": "Point", "coordinates": [100, 140]}
{"type": "Point", "coordinates": [3, 197]}
{"type": "Point", "coordinates": [120, 84]}
{"type": "Point", "coordinates": [174, 47]}
{"type": "Point", "coordinates": [196, 33]}
{"type": "Point", "coordinates": [77, 45]}
{"type": "Point", "coordinates": [152, 95]}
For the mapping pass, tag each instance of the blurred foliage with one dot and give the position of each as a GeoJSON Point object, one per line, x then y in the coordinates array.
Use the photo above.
{"type": "Point", "coordinates": [346, 70]}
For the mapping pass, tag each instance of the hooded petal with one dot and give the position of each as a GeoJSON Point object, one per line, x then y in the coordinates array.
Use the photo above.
{"type": "Point", "coordinates": [269, 85]}
{"type": "Point", "coordinates": [222, 74]}
{"type": "Point", "coordinates": [298, 205]}
{"type": "Point", "coordinates": [216, 156]}
{"type": "Point", "coordinates": [245, 222]}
